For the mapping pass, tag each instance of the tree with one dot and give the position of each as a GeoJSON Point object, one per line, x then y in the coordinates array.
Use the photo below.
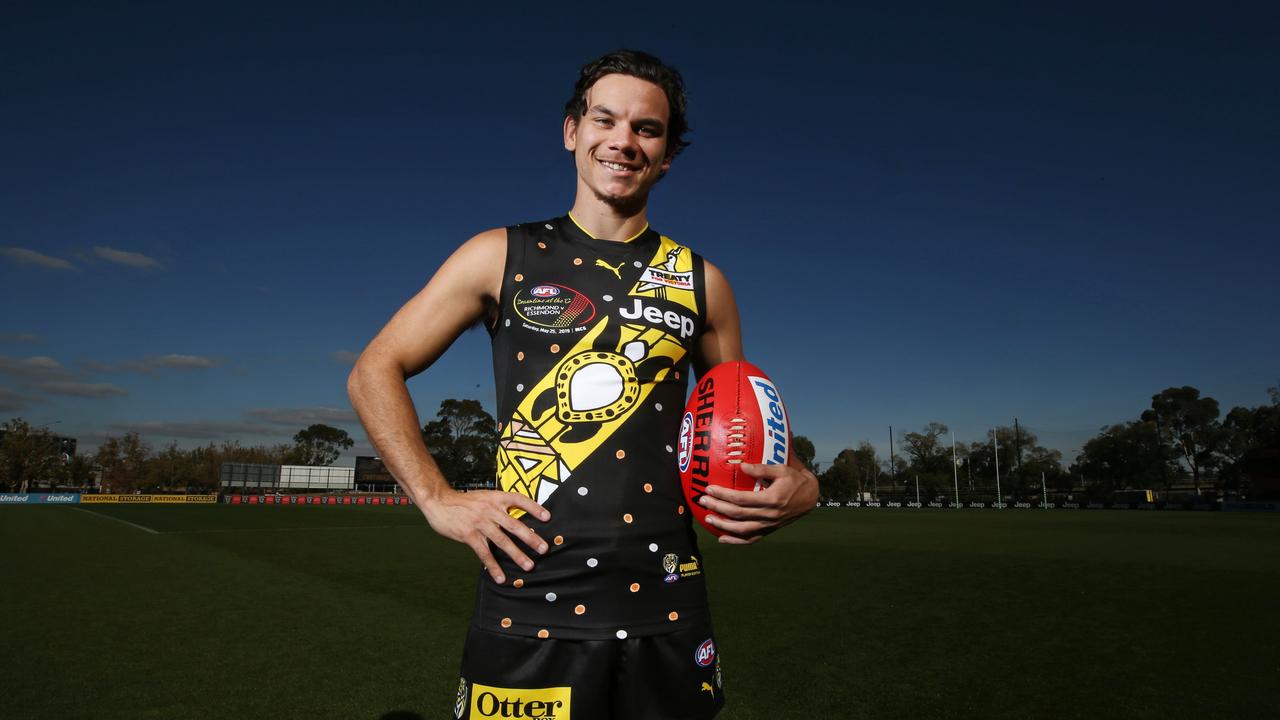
{"type": "Point", "coordinates": [463, 439]}
{"type": "Point", "coordinates": [123, 461]}
{"type": "Point", "coordinates": [1126, 455]}
{"type": "Point", "coordinates": [1190, 423]}
{"type": "Point", "coordinates": [928, 452]}
{"type": "Point", "coordinates": [804, 450]}
{"type": "Point", "coordinates": [320, 445]}
{"type": "Point", "coordinates": [28, 455]}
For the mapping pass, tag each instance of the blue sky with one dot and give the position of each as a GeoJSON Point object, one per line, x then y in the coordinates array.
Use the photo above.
{"type": "Point", "coordinates": [928, 214]}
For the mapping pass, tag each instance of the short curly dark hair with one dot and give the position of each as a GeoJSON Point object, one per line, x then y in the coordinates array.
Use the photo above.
{"type": "Point", "coordinates": [646, 67]}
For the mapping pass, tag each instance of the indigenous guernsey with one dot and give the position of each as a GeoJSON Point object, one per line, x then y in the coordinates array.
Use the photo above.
{"type": "Point", "coordinates": [591, 352]}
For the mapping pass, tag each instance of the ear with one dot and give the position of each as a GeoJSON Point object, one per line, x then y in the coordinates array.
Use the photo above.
{"type": "Point", "coordinates": [666, 163]}
{"type": "Point", "coordinates": [570, 133]}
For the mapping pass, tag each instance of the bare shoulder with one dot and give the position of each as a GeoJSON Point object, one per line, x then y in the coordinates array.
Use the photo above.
{"type": "Point", "coordinates": [719, 292]}
{"type": "Point", "coordinates": [477, 264]}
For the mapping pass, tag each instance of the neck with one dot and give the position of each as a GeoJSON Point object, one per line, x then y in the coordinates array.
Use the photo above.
{"type": "Point", "coordinates": [605, 222]}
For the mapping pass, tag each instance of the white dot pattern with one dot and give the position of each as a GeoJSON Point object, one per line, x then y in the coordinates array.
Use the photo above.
{"type": "Point", "coordinates": [607, 298]}
{"type": "Point", "coordinates": [582, 491]}
{"type": "Point", "coordinates": [551, 597]}
{"type": "Point", "coordinates": [670, 449]}
{"type": "Point", "coordinates": [657, 406]}
{"type": "Point", "coordinates": [520, 387]}
{"type": "Point", "coordinates": [592, 562]}
{"type": "Point", "coordinates": [638, 264]}
{"type": "Point", "coordinates": [547, 226]}
{"type": "Point", "coordinates": [653, 547]}
{"type": "Point", "coordinates": [622, 634]}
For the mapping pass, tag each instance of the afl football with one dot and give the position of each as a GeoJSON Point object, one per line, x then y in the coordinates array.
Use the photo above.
{"type": "Point", "coordinates": [734, 415]}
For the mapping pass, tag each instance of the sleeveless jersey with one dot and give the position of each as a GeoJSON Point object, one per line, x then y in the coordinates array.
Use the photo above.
{"type": "Point", "coordinates": [591, 351]}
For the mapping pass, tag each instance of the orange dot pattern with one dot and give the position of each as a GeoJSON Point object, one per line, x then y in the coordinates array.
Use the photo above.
{"type": "Point", "coordinates": [542, 246]}
{"type": "Point", "coordinates": [648, 487]}
{"type": "Point", "coordinates": [577, 261]}
{"type": "Point", "coordinates": [579, 609]}
{"type": "Point", "coordinates": [519, 583]}
{"type": "Point", "coordinates": [555, 348]}
{"type": "Point", "coordinates": [673, 616]}
{"type": "Point", "coordinates": [635, 587]}
{"type": "Point", "coordinates": [520, 355]}
{"type": "Point", "coordinates": [679, 509]}
{"type": "Point", "coordinates": [519, 277]}
{"type": "Point", "coordinates": [559, 540]}
{"type": "Point", "coordinates": [544, 634]}
{"type": "Point", "coordinates": [506, 622]}
{"type": "Point", "coordinates": [620, 454]}
{"type": "Point", "coordinates": [627, 518]}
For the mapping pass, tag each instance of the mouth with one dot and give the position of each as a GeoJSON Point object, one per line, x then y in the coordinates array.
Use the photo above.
{"type": "Point", "coordinates": [619, 168]}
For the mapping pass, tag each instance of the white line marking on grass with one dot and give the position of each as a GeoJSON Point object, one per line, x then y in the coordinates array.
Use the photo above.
{"type": "Point", "coordinates": [143, 528]}
{"type": "Point", "coordinates": [309, 527]}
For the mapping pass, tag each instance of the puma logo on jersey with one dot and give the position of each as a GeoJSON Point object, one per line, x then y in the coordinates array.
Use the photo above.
{"type": "Point", "coordinates": [617, 271]}
{"type": "Point", "coordinates": [670, 318]}
{"type": "Point", "coordinates": [707, 686]}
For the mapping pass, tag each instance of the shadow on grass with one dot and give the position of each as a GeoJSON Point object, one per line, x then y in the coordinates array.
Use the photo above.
{"type": "Point", "coordinates": [401, 715]}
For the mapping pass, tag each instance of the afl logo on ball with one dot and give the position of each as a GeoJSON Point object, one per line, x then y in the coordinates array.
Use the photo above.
{"type": "Point", "coordinates": [686, 441]}
{"type": "Point", "coordinates": [705, 654]}
{"type": "Point", "coordinates": [554, 308]}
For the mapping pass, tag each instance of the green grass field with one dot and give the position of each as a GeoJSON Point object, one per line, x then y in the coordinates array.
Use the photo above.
{"type": "Point", "coordinates": [359, 612]}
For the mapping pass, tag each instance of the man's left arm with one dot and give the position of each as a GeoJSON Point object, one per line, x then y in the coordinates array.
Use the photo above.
{"type": "Point", "coordinates": [789, 490]}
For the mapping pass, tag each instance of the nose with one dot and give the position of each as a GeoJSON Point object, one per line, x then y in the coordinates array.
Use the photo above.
{"type": "Point", "coordinates": [623, 140]}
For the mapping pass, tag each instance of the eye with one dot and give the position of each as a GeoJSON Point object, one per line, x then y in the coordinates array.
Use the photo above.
{"type": "Point", "coordinates": [603, 121]}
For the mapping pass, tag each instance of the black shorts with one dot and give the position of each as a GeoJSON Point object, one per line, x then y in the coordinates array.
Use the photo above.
{"type": "Point", "coordinates": [658, 677]}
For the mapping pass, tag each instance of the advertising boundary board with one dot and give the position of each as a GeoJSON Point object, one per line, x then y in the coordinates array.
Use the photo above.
{"type": "Point", "coordinates": [83, 499]}
{"type": "Point", "coordinates": [39, 498]}
{"type": "Point", "coordinates": [315, 500]}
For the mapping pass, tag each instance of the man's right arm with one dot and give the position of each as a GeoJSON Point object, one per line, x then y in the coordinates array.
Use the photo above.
{"type": "Point", "coordinates": [456, 297]}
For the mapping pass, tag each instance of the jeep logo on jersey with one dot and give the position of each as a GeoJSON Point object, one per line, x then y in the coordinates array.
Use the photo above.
{"type": "Point", "coordinates": [672, 319]}
{"type": "Point", "coordinates": [705, 654]}
{"type": "Point", "coordinates": [556, 308]}
{"type": "Point", "coordinates": [528, 704]}
{"type": "Point", "coordinates": [686, 441]}
{"type": "Point", "coordinates": [774, 415]}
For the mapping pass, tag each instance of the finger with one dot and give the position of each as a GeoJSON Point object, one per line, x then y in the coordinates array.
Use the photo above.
{"type": "Point", "coordinates": [526, 504]}
{"type": "Point", "coordinates": [523, 533]}
{"type": "Point", "coordinates": [743, 529]}
{"type": "Point", "coordinates": [481, 549]}
{"type": "Point", "coordinates": [504, 543]}
{"type": "Point", "coordinates": [735, 540]}
{"type": "Point", "coordinates": [757, 470]}
{"type": "Point", "coordinates": [732, 511]}
{"type": "Point", "coordinates": [741, 498]}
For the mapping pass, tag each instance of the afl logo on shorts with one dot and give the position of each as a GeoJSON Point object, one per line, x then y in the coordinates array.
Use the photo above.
{"type": "Point", "coordinates": [555, 307]}
{"type": "Point", "coordinates": [705, 654]}
{"type": "Point", "coordinates": [686, 441]}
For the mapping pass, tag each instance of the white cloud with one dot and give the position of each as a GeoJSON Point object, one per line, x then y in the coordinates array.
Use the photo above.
{"type": "Point", "coordinates": [81, 389]}
{"type": "Point", "coordinates": [23, 256]}
{"type": "Point", "coordinates": [344, 357]}
{"type": "Point", "coordinates": [300, 417]}
{"type": "Point", "coordinates": [11, 401]}
{"type": "Point", "coordinates": [123, 257]}
{"type": "Point", "coordinates": [199, 430]}
{"type": "Point", "coordinates": [150, 365]}
{"type": "Point", "coordinates": [38, 368]}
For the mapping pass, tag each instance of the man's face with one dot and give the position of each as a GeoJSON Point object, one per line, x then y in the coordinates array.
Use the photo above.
{"type": "Point", "coordinates": [620, 144]}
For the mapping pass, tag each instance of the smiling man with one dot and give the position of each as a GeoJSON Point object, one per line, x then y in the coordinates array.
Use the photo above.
{"type": "Point", "coordinates": [595, 320]}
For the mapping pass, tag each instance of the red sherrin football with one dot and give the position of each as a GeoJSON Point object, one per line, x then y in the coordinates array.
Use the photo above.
{"type": "Point", "coordinates": [735, 415]}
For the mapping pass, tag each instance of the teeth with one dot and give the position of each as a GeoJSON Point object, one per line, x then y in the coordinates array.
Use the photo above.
{"type": "Point", "coordinates": [613, 165]}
